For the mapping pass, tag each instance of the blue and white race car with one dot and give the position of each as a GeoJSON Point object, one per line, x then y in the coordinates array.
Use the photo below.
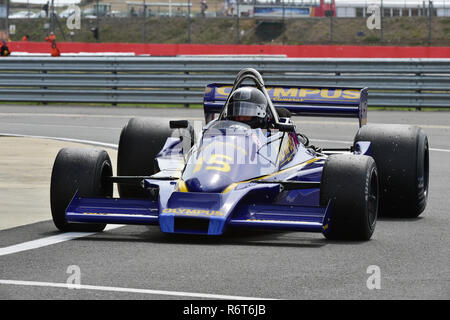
{"type": "Point", "coordinates": [247, 168]}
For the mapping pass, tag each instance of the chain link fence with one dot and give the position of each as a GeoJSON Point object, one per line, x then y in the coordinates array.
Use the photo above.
{"type": "Point", "coordinates": [226, 21]}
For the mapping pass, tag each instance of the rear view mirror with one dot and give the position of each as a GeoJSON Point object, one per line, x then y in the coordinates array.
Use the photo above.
{"type": "Point", "coordinates": [178, 124]}
{"type": "Point", "coordinates": [285, 127]}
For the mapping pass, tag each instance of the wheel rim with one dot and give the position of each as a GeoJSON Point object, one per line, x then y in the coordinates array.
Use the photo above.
{"type": "Point", "coordinates": [105, 185]}
{"type": "Point", "coordinates": [372, 201]}
{"type": "Point", "coordinates": [426, 170]}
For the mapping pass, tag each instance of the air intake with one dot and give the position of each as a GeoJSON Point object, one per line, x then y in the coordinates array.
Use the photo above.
{"type": "Point", "coordinates": [191, 225]}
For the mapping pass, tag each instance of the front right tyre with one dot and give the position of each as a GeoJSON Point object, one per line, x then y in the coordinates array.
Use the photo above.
{"type": "Point", "coordinates": [140, 142]}
{"type": "Point", "coordinates": [82, 169]}
{"type": "Point", "coordinates": [401, 155]}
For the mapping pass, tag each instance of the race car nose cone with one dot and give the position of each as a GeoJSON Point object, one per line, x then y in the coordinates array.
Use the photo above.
{"type": "Point", "coordinates": [216, 182]}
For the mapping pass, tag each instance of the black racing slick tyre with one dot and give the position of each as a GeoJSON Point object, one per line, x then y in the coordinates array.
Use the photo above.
{"type": "Point", "coordinates": [140, 142]}
{"type": "Point", "coordinates": [350, 182]}
{"type": "Point", "coordinates": [401, 155]}
{"type": "Point", "coordinates": [85, 170]}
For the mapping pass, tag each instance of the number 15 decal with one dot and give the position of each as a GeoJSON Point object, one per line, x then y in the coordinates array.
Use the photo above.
{"type": "Point", "coordinates": [214, 163]}
{"type": "Point", "coordinates": [219, 162]}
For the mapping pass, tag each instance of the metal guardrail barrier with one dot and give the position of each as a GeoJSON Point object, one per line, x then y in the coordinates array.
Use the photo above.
{"type": "Point", "coordinates": [416, 83]}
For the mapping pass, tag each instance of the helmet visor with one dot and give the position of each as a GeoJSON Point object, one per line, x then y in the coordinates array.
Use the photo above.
{"type": "Point", "coordinates": [245, 108]}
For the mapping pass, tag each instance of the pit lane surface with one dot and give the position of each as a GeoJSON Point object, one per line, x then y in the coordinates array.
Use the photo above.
{"type": "Point", "coordinates": [412, 254]}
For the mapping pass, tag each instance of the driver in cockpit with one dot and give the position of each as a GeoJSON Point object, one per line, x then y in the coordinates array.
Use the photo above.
{"type": "Point", "coordinates": [248, 105]}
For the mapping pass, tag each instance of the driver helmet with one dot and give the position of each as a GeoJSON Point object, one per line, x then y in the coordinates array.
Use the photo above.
{"type": "Point", "coordinates": [248, 105]}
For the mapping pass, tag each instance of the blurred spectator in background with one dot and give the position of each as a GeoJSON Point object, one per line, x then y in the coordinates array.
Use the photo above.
{"type": "Point", "coordinates": [25, 38]}
{"type": "Point", "coordinates": [45, 8]}
{"type": "Point", "coordinates": [95, 33]}
{"type": "Point", "coordinates": [233, 5]}
{"type": "Point", "coordinates": [4, 50]}
{"type": "Point", "coordinates": [227, 7]}
{"type": "Point", "coordinates": [55, 51]}
{"type": "Point", "coordinates": [204, 7]}
{"type": "Point", "coordinates": [51, 37]}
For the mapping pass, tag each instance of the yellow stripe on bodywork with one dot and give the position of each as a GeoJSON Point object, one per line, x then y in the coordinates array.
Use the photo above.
{"type": "Point", "coordinates": [181, 186]}
{"type": "Point", "coordinates": [233, 185]}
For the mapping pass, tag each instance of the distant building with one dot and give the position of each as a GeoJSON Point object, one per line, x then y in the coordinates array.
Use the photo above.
{"type": "Point", "coordinates": [392, 8]}
{"type": "Point", "coordinates": [339, 8]}
{"type": "Point", "coordinates": [286, 8]}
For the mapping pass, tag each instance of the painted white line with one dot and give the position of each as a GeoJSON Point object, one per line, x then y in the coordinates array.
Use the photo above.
{"type": "Point", "coordinates": [127, 290]}
{"type": "Point", "coordinates": [95, 143]}
{"type": "Point", "coordinates": [332, 141]}
{"type": "Point", "coordinates": [351, 142]}
{"type": "Point", "coordinates": [81, 115]}
{"type": "Point", "coordinates": [43, 242]}
{"type": "Point", "coordinates": [56, 125]}
{"type": "Point", "coordinates": [433, 126]}
{"type": "Point", "coordinates": [115, 146]}
{"type": "Point", "coordinates": [34, 244]}
{"type": "Point", "coordinates": [439, 150]}
{"type": "Point", "coordinates": [64, 115]}
{"type": "Point", "coordinates": [355, 124]}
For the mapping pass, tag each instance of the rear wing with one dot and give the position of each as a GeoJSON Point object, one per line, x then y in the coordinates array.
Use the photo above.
{"type": "Point", "coordinates": [310, 101]}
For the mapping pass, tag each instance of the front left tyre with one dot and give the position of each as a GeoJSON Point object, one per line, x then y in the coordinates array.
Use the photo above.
{"type": "Point", "coordinates": [85, 170]}
{"type": "Point", "coordinates": [349, 187]}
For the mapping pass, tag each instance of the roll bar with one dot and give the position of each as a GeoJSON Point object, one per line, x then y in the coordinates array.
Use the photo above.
{"type": "Point", "coordinates": [250, 73]}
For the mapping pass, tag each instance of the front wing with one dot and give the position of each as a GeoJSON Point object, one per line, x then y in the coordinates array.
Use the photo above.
{"type": "Point", "coordinates": [202, 213]}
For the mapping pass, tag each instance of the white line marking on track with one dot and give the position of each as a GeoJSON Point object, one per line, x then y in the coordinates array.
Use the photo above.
{"type": "Point", "coordinates": [128, 290]}
{"type": "Point", "coordinates": [355, 124]}
{"type": "Point", "coordinates": [57, 125]}
{"type": "Point", "coordinates": [66, 115]}
{"type": "Point", "coordinates": [95, 143]}
{"type": "Point", "coordinates": [115, 146]}
{"type": "Point", "coordinates": [439, 150]}
{"type": "Point", "coordinates": [81, 115]}
{"type": "Point", "coordinates": [73, 235]}
{"type": "Point", "coordinates": [351, 142]}
{"type": "Point", "coordinates": [34, 244]}
{"type": "Point", "coordinates": [332, 141]}
{"type": "Point", "coordinates": [43, 242]}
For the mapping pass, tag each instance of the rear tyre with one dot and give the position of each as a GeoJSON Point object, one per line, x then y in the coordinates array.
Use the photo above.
{"type": "Point", "coordinates": [140, 141]}
{"type": "Point", "coordinates": [351, 183]}
{"type": "Point", "coordinates": [401, 155]}
{"type": "Point", "coordinates": [85, 170]}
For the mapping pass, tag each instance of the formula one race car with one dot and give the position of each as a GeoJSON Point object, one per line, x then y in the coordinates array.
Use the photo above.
{"type": "Point", "coordinates": [247, 168]}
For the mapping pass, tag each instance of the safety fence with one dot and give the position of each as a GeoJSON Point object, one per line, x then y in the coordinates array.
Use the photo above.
{"type": "Point", "coordinates": [416, 83]}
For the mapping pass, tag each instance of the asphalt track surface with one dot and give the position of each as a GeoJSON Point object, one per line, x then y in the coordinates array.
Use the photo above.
{"type": "Point", "coordinates": [139, 262]}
